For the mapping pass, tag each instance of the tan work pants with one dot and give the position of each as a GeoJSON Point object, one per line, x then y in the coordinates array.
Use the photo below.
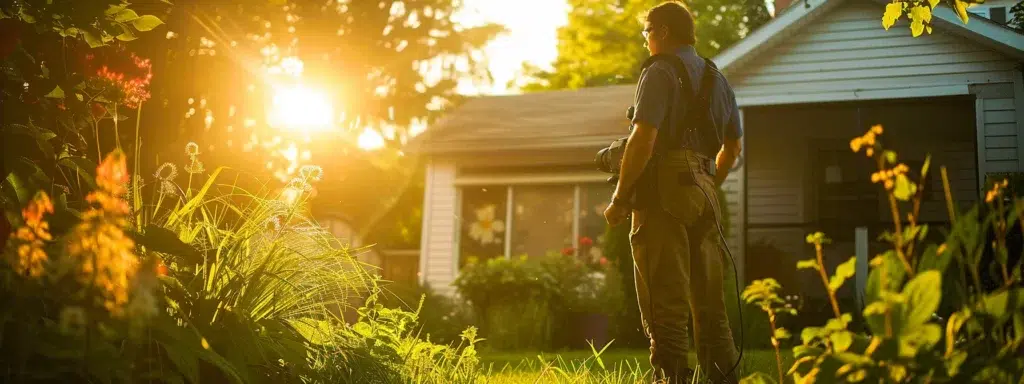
{"type": "Point", "coordinates": [679, 271]}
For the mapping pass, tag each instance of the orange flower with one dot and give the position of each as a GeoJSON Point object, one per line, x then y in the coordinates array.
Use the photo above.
{"type": "Point", "coordinates": [112, 173]}
{"type": "Point", "coordinates": [30, 258]}
{"type": "Point", "coordinates": [101, 255]}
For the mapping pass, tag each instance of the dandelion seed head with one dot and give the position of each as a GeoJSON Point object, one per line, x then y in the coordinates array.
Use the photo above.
{"type": "Point", "coordinates": [311, 172]}
{"type": "Point", "coordinates": [192, 149]}
{"type": "Point", "coordinates": [195, 167]}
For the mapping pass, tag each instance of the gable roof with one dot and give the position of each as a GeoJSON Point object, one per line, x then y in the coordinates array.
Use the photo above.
{"type": "Point", "coordinates": [593, 117]}
{"type": "Point", "coordinates": [802, 12]}
{"type": "Point", "coordinates": [586, 117]}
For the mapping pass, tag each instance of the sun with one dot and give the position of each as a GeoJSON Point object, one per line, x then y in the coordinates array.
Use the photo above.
{"type": "Point", "coordinates": [300, 108]}
{"type": "Point", "coordinates": [370, 139]}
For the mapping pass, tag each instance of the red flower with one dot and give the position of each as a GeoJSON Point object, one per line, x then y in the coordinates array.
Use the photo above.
{"type": "Point", "coordinates": [586, 241]}
{"type": "Point", "coordinates": [568, 251]}
{"type": "Point", "coordinates": [161, 268]}
{"type": "Point", "coordinates": [603, 261]}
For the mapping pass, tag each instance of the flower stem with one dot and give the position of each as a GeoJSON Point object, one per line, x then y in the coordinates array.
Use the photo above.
{"type": "Point", "coordinates": [824, 279]}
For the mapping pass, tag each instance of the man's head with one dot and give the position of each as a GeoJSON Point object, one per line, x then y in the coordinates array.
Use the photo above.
{"type": "Point", "coordinates": [668, 26]}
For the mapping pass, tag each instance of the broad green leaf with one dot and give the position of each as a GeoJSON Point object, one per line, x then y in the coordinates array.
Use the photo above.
{"type": "Point", "coordinates": [809, 263]}
{"type": "Point", "coordinates": [1003, 304]}
{"type": "Point", "coordinates": [146, 23]}
{"type": "Point", "coordinates": [932, 259]}
{"type": "Point", "coordinates": [905, 189]}
{"type": "Point", "coordinates": [56, 93]}
{"type": "Point", "coordinates": [923, 295]}
{"type": "Point", "coordinates": [782, 333]}
{"type": "Point", "coordinates": [126, 34]}
{"type": "Point", "coordinates": [841, 340]}
{"type": "Point", "coordinates": [115, 9]}
{"type": "Point", "coordinates": [159, 239]}
{"type": "Point", "coordinates": [893, 11]}
{"type": "Point", "coordinates": [843, 271]}
{"type": "Point", "coordinates": [126, 15]}
{"type": "Point", "coordinates": [811, 333]}
{"type": "Point", "coordinates": [803, 350]}
{"type": "Point", "coordinates": [93, 40]}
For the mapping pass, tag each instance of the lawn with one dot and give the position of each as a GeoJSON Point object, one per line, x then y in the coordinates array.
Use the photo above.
{"type": "Point", "coordinates": [620, 365]}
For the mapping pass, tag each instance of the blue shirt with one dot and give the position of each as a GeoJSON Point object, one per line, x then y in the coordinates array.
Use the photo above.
{"type": "Point", "coordinates": [656, 93]}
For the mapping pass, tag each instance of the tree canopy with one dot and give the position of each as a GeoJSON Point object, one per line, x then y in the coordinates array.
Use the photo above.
{"type": "Point", "coordinates": [601, 44]}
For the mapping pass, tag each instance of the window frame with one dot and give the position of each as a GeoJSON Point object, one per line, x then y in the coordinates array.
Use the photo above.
{"type": "Point", "coordinates": [578, 182]}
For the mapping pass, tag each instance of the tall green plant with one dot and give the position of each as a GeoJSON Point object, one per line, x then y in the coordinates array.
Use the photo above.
{"type": "Point", "coordinates": [980, 342]}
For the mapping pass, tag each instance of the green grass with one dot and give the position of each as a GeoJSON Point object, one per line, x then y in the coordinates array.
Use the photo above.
{"type": "Point", "coordinates": [620, 366]}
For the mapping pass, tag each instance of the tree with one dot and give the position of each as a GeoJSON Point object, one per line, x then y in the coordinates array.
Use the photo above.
{"type": "Point", "coordinates": [387, 65]}
{"type": "Point", "coordinates": [1017, 22]}
{"type": "Point", "coordinates": [602, 44]}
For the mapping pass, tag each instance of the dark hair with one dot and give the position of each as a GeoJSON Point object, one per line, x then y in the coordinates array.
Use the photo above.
{"type": "Point", "coordinates": [677, 18]}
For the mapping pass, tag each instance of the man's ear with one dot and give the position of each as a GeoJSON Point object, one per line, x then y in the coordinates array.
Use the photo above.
{"type": "Point", "coordinates": [663, 31]}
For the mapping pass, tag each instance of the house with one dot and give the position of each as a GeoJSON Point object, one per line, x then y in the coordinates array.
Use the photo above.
{"type": "Point", "coordinates": [514, 175]}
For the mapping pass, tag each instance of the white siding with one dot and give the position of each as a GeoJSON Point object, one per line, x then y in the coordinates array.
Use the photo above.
{"type": "Point", "coordinates": [848, 52]}
{"type": "Point", "coordinates": [998, 135]}
{"type": "Point", "coordinates": [439, 235]}
{"type": "Point", "coordinates": [736, 206]}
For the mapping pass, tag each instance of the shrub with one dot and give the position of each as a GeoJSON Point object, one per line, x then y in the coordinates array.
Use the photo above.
{"type": "Point", "coordinates": [550, 290]}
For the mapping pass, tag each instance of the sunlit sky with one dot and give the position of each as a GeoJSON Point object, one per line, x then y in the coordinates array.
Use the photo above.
{"type": "Point", "coordinates": [531, 36]}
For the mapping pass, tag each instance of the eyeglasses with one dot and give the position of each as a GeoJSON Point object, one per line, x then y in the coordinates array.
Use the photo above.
{"type": "Point", "coordinates": [646, 31]}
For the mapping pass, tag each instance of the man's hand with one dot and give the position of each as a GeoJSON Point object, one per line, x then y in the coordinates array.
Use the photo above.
{"type": "Point", "coordinates": [615, 214]}
{"type": "Point", "coordinates": [726, 158]}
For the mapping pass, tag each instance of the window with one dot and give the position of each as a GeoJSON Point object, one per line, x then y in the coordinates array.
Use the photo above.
{"type": "Point", "coordinates": [482, 233]}
{"type": "Point", "coordinates": [594, 198]}
{"type": "Point", "coordinates": [543, 218]}
{"type": "Point", "coordinates": [564, 218]}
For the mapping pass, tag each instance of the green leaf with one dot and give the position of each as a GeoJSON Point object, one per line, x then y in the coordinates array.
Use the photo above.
{"type": "Point", "coordinates": [890, 156]}
{"type": "Point", "coordinates": [843, 272]}
{"type": "Point", "coordinates": [811, 333]}
{"type": "Point", "coordinates": [126, 34]}
{"type": "Point", "coordinates": [923, 295]}
{"type": "Point", "coordinates": [841, 340]}
{"type": "Point", "coordinates": [86, 168]}
{"type": "Point", "coordinates": [126, 15]}
{"type": "Point", "coordinates": [809, 263]}
{"type": "Point", "coordinates": [56, 93]}
{"type": "Point", "coordinates": [159, 239]}
{"type": "Point", "coordinates": [93, 40]}
{"type": "Point", "coordinates": [194, 203]}
{"type": "Point", "coordinates": [114, 9]}
{"type": "Point", "coordinates": [931, 259]}
{"type": "Point", "coordinates": [927, 163]}
{"type": "Point", "coordinates": [782, 333]}
{"type": "Point", "coordinates": [146, 23]}
{"type": "Point", "coordinates": [905, 189]}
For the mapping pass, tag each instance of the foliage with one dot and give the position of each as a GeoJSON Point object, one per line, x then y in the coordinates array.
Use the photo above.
{"type": "Point", "coordinates": [552, 288]}
{"type": "Point", "coordinates": [443, 320]}
{"type": "Point", "coordinates": [980, 341]}
{"type": "Point", "coordinates": [1017, 13]}
{"type": "Point", "coordinates": [602, 44]}
{"type": "Point", "coordinates": [97, 22]}
{"type": "Point", "coordinates": [919, 13]}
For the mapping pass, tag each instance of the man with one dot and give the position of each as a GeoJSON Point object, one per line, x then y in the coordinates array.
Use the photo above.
{"type": "Point", "coordinates": [675, 235]}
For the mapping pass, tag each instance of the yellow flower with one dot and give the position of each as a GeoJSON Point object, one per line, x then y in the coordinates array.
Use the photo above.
{"type": "Point", "coordinates": [877, 129]}
{"type": "Point", "coordinates": [870, 152]}
{"type": "Point", "coordinates": [855, 144]}
{"type": "Point", "coordinates": [888, 184]}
